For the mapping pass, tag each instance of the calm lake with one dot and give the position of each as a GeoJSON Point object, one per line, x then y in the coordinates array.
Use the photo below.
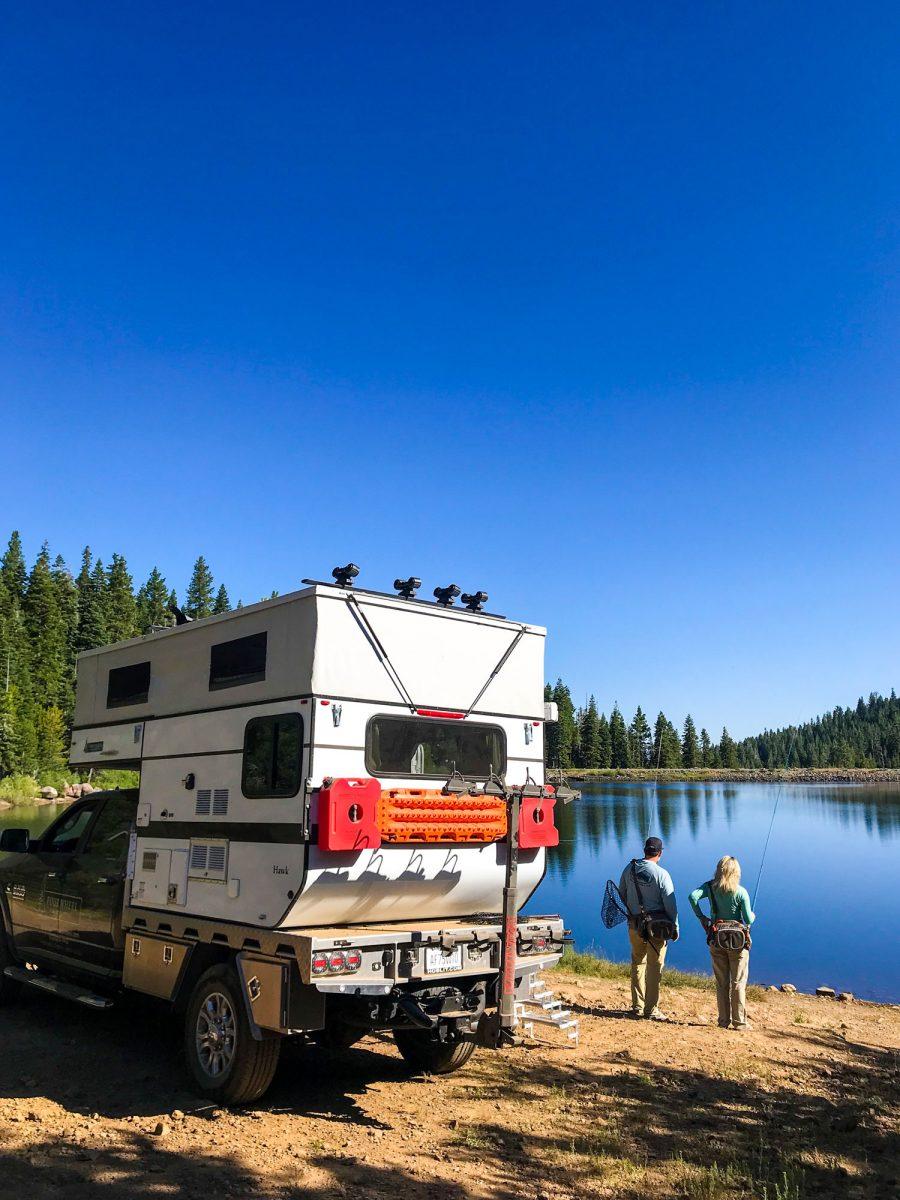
{"type": "Point", "coordinates": [826, 909]}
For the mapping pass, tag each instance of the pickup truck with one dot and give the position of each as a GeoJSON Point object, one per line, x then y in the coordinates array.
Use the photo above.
{"type": "Point", "coordinates": [68, 929]}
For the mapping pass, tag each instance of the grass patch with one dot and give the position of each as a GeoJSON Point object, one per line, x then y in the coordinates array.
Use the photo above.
{"type": "Point", "coordinates": [577, 962]}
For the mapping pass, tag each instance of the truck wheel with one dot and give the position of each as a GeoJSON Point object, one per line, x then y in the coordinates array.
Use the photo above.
{"type": "Point", "coordinates": [227, 1063]}
{"type": "Point", "coordinates": [9, 988]}
{"type": "Point", "coordinates": [423, 1051]}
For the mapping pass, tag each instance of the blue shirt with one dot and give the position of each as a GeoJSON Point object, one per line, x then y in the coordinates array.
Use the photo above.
{"type": "Point", "coordinates": [656, 888]}
{"type": "Point", "coordinates": [729, 906]}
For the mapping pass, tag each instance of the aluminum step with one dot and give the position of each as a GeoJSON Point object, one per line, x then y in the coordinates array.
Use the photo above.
{"type": "Point", "coordinates": [58, 987]}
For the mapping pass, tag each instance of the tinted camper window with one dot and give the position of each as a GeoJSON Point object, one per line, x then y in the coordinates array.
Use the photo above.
{"type": "Point", "coordinates": [237, 662]}
{"type": "Point", "coordinates": [128, 685]}
{"type": "Point", "coordinates": [273, 749]}
{"type": "Point", "coordinates": [413, 746]}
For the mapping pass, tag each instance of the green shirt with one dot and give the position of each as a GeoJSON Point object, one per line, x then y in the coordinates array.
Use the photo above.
{"type": "Point", "coordinates": [729, 906]}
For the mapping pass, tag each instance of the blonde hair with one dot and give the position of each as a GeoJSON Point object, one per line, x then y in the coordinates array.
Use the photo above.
{"type": "Point", "coordinates": [728, 874]}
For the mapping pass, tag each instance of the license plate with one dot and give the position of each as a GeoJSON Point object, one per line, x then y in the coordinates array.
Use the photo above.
{"type": "Point", "coordinates": [438, 959]}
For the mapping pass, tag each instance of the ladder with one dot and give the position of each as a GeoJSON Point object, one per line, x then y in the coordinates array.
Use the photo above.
{"type": "Point", "coordinates": [540, 1007]}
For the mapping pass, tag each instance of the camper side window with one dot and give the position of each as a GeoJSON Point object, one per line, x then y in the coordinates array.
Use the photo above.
{"type": "Point", "coordinates": [128, 685]}
{"type": "Point", "coordinates": [240, 661]}
{"type": "Point", "coordinates": [273, 750]}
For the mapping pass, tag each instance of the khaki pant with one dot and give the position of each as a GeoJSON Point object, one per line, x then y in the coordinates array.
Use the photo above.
{"type": "Point", "coordinates": [731, 968]}
{"type": "Point", "coordinates": [646, 968]}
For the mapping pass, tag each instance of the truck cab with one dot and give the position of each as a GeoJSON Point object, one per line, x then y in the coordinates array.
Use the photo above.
{"type": "Point", "coordinates": [62, 893]}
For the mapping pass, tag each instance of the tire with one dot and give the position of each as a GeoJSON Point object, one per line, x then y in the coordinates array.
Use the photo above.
{"type": "Point", "coordinates": [9, 988]}
{"type": "Point", "coordinates": [425, 1052]}
{"type": "Point", "coordinates": [226, 1062]}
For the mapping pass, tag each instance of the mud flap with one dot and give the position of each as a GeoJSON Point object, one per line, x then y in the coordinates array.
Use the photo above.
{"type": "Point", "coordinates": [265, 986]}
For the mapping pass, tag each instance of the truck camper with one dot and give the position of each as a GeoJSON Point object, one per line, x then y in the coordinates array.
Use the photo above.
{"type": "Point", "coordinates": [341, 811]}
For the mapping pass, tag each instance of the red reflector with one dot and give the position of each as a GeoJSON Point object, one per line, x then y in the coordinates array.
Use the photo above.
{"type": "Point", "coordinates": [326, 702]}
{"type": "Point", "coordinates": [436, 712]}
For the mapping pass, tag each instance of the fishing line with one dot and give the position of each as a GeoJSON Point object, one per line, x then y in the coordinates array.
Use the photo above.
{"type": "Point", "coordinates": [655, 803]}
{"type": "Point", "coordinates": [762, 861]}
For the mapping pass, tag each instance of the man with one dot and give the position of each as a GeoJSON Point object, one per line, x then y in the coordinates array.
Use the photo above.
{"type": "Point", "coordinates": [645, 885]}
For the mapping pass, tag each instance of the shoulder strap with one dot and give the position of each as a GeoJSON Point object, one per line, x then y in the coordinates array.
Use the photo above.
{"type": "Point", "coordinates": [637, 886]}
{"type": "Point", "coordinates": [712, 900]}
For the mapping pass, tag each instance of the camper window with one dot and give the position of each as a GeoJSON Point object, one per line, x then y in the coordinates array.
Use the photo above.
{"type": "Point", "coordinates": [237, 662]}
{"type": "Point", "coordinates": [273, 747]}
{"type": "Point", "coordinates": [128, 685]}
{"type": "Point", "coordinates": [412, 746]}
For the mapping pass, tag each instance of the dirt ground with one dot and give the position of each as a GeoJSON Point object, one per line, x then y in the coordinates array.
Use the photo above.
{"type": "Point", "coordinates": [805, 1105]}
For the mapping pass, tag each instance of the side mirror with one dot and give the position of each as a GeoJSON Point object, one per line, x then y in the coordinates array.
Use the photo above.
{"type": "Point", "coordinates": [14, 841]}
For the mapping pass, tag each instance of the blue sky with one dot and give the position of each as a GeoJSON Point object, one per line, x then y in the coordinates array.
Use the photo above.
{"type": "Point", "coordinates": [591, 306]}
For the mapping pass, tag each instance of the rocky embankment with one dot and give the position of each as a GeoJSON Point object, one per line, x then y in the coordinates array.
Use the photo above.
{"type": "Point", "coordinates": [52, 795]}
{"type": "Point", "coordinates": [757, 775]}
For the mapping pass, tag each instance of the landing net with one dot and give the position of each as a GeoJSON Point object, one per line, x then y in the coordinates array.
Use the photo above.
{"type": "Point", "coordinates": [614, 910]}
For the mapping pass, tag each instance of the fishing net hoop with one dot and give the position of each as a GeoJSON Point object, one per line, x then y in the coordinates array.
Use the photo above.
{"type": "Point", "coordinates": [614, 910]}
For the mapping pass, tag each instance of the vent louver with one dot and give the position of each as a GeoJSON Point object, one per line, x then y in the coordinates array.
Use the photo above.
{"type": "Point", "coordinates": [208, 860]}
{"type": "Point", "coordinates": [204, 800]}
{"type": "Point", "coordinates": [220, 802]}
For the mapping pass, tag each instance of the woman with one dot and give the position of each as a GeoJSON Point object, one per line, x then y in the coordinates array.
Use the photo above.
{"type": "Point", "coordinates": [728, 902]}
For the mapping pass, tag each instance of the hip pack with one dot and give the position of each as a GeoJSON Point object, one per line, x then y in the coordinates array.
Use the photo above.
{"type": "Point", "coordinates": [726, 935]}
{"type": "Point", "coordinates": [652, 926]}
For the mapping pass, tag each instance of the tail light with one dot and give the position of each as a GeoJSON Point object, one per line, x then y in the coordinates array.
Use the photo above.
{"type": "Point", "coordinates": [319, 964]}
{"type": "Point", "coordinates": [337, 961]}
{"type": "Point", "coordinates": [353, 960]}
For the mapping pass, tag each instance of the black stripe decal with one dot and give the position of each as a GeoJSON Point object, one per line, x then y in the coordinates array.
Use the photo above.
{"type": "Point", "coordinates": [276, 834]}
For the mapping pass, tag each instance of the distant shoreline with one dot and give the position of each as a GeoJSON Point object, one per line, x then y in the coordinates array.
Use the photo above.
{"type": "Point", "coordinates": [721, 775]}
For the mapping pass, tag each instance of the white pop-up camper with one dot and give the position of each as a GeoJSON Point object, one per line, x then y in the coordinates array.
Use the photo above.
{"type": "Point", "coordinates": [238, 722]}
{"type": "Point", "coordinates": [341, 811]}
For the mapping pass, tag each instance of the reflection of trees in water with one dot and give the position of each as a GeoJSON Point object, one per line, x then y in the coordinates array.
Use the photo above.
{"type": "Point", "coordinates": [876, 808]}
{"type": "Point", "coordinates": [667, 809]}
{"type": "Point", "coordinates": [692, 808]}
{"type": "Point", "coordinates": [729, 796]}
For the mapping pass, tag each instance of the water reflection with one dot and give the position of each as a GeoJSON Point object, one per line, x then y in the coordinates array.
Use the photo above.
{"type": "Point", "coordinates": [821, 833]}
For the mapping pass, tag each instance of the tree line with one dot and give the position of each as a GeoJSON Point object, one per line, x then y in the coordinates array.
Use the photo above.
{"type": "Point", "coordinates": [865, 735]}
{"type": "Point", "coordinates": [48, 615]}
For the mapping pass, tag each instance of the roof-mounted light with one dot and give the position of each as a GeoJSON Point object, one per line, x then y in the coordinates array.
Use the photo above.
{"type": "Point", "coordinates": [446, 595]}
{"type": "Point", "coordinates": [406, 588]}
{"type": "Point", "coordinates": [344, 576]}
{"type": "Point", "coordinates": [474, 601]}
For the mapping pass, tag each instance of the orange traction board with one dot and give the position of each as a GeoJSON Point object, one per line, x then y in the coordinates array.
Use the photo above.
{"type": "Point", "coordinates": [419, 815]}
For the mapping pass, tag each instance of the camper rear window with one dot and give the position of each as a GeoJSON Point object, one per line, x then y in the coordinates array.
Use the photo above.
{"type": "Point", "coordinates": [128, 685]}
{"type": "Point", "coordinates": [413, 746]}
{"type": "Point", "coordinates": [237, 662]}
{"type": "Point", "coordinates": [273, 747]}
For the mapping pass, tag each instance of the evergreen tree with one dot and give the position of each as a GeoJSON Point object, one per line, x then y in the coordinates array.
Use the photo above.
{"type": "Point", "coordinates": [690, 749]}
{"type": "Point", "coordinates": [560, 736]}
{"type": "Point", "coordinates": [199, 598]}
{"type": "Point", "coordinates": [50, 738]}
{"type": "Point", "coordinates": [67, 603]}
{"type": "Point", "coordinates": [10, 739]}
{"type": "Point", "coordinates": [222, 603]}
{"type": "Point", "coordinates": [153, 603]}
{"type": "Point", "coordinates": [12, 568]}
{"type": "Point", "coordinates": [121, 610]}
{"type": "Point", "coordinates": [707, 755]}
{"type": "Point", "coordinates": [639, 736]}
{"type": "Point", "coordinates": [46, 633]}
{"type": "Point", "coordinates": [91, 630]}
{"type": "Point", "coordinates": [666, 745]}
{"type": "Point", "coordinates": [618, 737]}
{"type": "Point", "coordinates": [728, 756]}
{"type": "Point", "coordinates": [589, 736]}
{"type": "Point", "coordinates": [604, 743]}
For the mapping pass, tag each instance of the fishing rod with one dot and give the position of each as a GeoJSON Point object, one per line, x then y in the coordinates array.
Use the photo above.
{"type": "Point", "coordinates": [762, 861]}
